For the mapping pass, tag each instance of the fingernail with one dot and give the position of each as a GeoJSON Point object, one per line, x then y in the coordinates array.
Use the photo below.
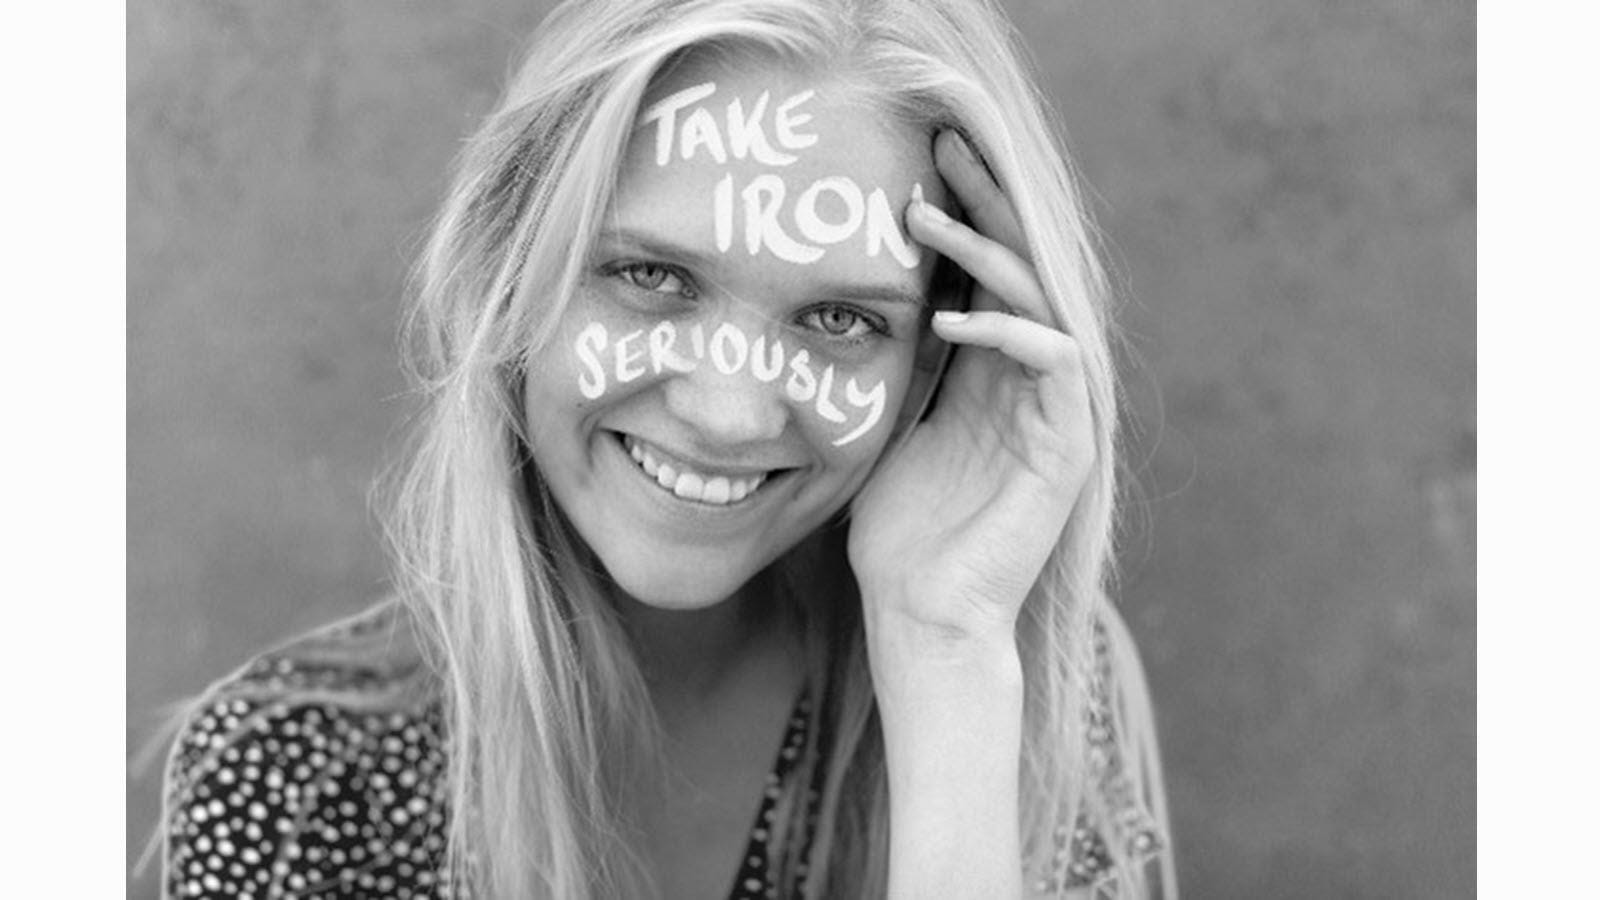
{"type": "Point", "coordinates": [950, 316]}
{"type": "Point", "coordinates": [933, 212]}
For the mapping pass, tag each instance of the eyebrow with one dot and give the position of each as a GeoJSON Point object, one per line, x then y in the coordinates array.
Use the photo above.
{"type": "Point", "coordinates": [650, 245]}
{"type": "Point", "coordinates": [890, 293]}
{"type": "Point", "coordinates": [654, 245]}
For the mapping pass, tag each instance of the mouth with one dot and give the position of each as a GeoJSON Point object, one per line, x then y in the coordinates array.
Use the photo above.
{"type": "Point", "coordinates": [687, 483]}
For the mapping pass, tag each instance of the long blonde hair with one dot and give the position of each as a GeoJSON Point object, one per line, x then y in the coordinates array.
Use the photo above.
{"type": "Point", "coordinates": [548, 719]}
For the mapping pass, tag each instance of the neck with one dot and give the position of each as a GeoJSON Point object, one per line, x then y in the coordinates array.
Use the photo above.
{"type": "Point", "coordinates": [684, 653]}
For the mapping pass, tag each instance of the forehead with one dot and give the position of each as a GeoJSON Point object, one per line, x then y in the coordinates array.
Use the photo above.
{"type": "Point", "coordinates": [726, 124]}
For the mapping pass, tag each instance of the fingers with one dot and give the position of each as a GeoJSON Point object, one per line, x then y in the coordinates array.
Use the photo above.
{"type": "Point", "coordinates": [994, 265]}
{"type": "Point", "coordinates": [1039, 347]}
{"type": "Point", "coordinates": [977, 192]}
{"type": "Point", "coordinates": [1050, 356]}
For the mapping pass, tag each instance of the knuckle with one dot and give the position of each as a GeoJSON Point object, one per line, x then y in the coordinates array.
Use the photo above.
{"type": "Point", "coordinates": [990, 257]}
{"type": "Point", "coordinates": [995, 258]}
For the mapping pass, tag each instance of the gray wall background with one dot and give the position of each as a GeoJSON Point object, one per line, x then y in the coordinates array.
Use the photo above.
{"type": "Point", "coordinates": [1289, 186]}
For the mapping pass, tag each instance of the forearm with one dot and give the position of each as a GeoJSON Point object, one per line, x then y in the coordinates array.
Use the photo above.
{"type": "Point", "coordinates": [952, 723]}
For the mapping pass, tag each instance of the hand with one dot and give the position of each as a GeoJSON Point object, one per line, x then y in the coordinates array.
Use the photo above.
{"type": "Point", "coordinates": [952, 530]}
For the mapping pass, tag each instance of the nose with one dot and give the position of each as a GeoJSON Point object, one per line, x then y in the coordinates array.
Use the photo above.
{"type": "Point", "coordinates": [728, 409]}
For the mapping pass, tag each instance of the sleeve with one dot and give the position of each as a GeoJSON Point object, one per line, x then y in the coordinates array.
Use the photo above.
{"type": "Point", "coordinates": [270, 798]}
{"type": "Point", "coordinates": [223, 823]}
{"type": "Point", "coordinates": [1118, 845]}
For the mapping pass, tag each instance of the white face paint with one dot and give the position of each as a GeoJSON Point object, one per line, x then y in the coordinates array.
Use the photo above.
{"type": "Point", "coordinates": [684, 127]}
{"type": "Point", "coordinates": [749, 322]}
{"type": "Point", "coordinates": [731, 352]}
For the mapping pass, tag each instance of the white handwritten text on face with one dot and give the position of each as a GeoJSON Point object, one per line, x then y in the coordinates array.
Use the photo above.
{"type": "Point", "coordinates": [686, 129]}
{"type": "Point", "coordinates": [730, 351]}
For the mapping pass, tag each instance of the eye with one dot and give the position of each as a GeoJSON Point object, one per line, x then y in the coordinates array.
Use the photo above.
{"type": "Point", "coordinates": [655, 277]}
{"type": "Point", "coordinates": [843, 322]}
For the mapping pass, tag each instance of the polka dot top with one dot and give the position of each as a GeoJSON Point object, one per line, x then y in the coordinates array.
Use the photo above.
{"type": "Point", "coordinates": [275, 799]}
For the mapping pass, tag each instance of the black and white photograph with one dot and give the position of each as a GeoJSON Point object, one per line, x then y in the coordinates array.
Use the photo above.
{"type": "Point", "coordinates": [814, 449]}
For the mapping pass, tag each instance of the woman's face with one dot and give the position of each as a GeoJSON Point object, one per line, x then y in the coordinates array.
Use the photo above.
{"type": "Point", "coordinates": [742, 342]}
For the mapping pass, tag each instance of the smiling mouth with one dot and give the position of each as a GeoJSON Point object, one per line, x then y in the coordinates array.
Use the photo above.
{"type": "Point", "coordinates": [687, 484]}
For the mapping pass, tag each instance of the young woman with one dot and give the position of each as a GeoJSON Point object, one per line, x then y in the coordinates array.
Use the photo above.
{"type": "Point", "coordinates": [717, 570]}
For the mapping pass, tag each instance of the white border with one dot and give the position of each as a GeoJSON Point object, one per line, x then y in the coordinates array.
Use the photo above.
{"type": "Point", "coordinates": [1538, 249]}
{"type": "Point", "coordinates": [65, 417]}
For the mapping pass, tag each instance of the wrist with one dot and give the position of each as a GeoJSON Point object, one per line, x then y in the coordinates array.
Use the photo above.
{"type": "Point", "coordinates": [903, 633]}
{"type": "Point", "coordinates": [951, 709]}
{"type": "Point", "coordinates": [923, 671]}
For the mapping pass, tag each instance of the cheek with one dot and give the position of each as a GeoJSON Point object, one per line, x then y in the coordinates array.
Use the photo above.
{"type": "Point", "coordinates": [556, 388]}
{"type": "Point", "coordinates": [592, 357]}
{"type": "Point", "coordinates": [856, 405]}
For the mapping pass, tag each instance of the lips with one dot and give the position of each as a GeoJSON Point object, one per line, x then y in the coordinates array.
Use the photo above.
{"type": "Point", "coordinates": [682, 480]}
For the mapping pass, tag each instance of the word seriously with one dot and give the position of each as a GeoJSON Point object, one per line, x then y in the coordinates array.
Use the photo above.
{"type": "Point", "coordinates": [730, 351]}
{"type": "Point", "coordinates": [685, 129]}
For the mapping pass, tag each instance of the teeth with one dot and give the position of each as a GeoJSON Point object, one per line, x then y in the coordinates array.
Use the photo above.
{"type": "Point", "coordinates": [690, 486]}
{"type": "Point", "coordinates": [717, 490]}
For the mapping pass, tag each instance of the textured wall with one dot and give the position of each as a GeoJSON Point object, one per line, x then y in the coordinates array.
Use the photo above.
{"type": "Point", "coordinates": [1288, 186]}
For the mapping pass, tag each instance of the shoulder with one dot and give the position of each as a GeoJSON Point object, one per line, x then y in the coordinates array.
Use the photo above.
{"type": "Point", "coordinates": [308, 775]}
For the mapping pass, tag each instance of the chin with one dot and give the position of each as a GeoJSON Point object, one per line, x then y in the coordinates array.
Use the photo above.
{"type": "Point", "coordinates": [685, 584]}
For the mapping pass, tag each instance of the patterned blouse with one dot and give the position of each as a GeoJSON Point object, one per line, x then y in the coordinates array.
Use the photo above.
{"type": "Point", "coordinates": [274, 799]}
